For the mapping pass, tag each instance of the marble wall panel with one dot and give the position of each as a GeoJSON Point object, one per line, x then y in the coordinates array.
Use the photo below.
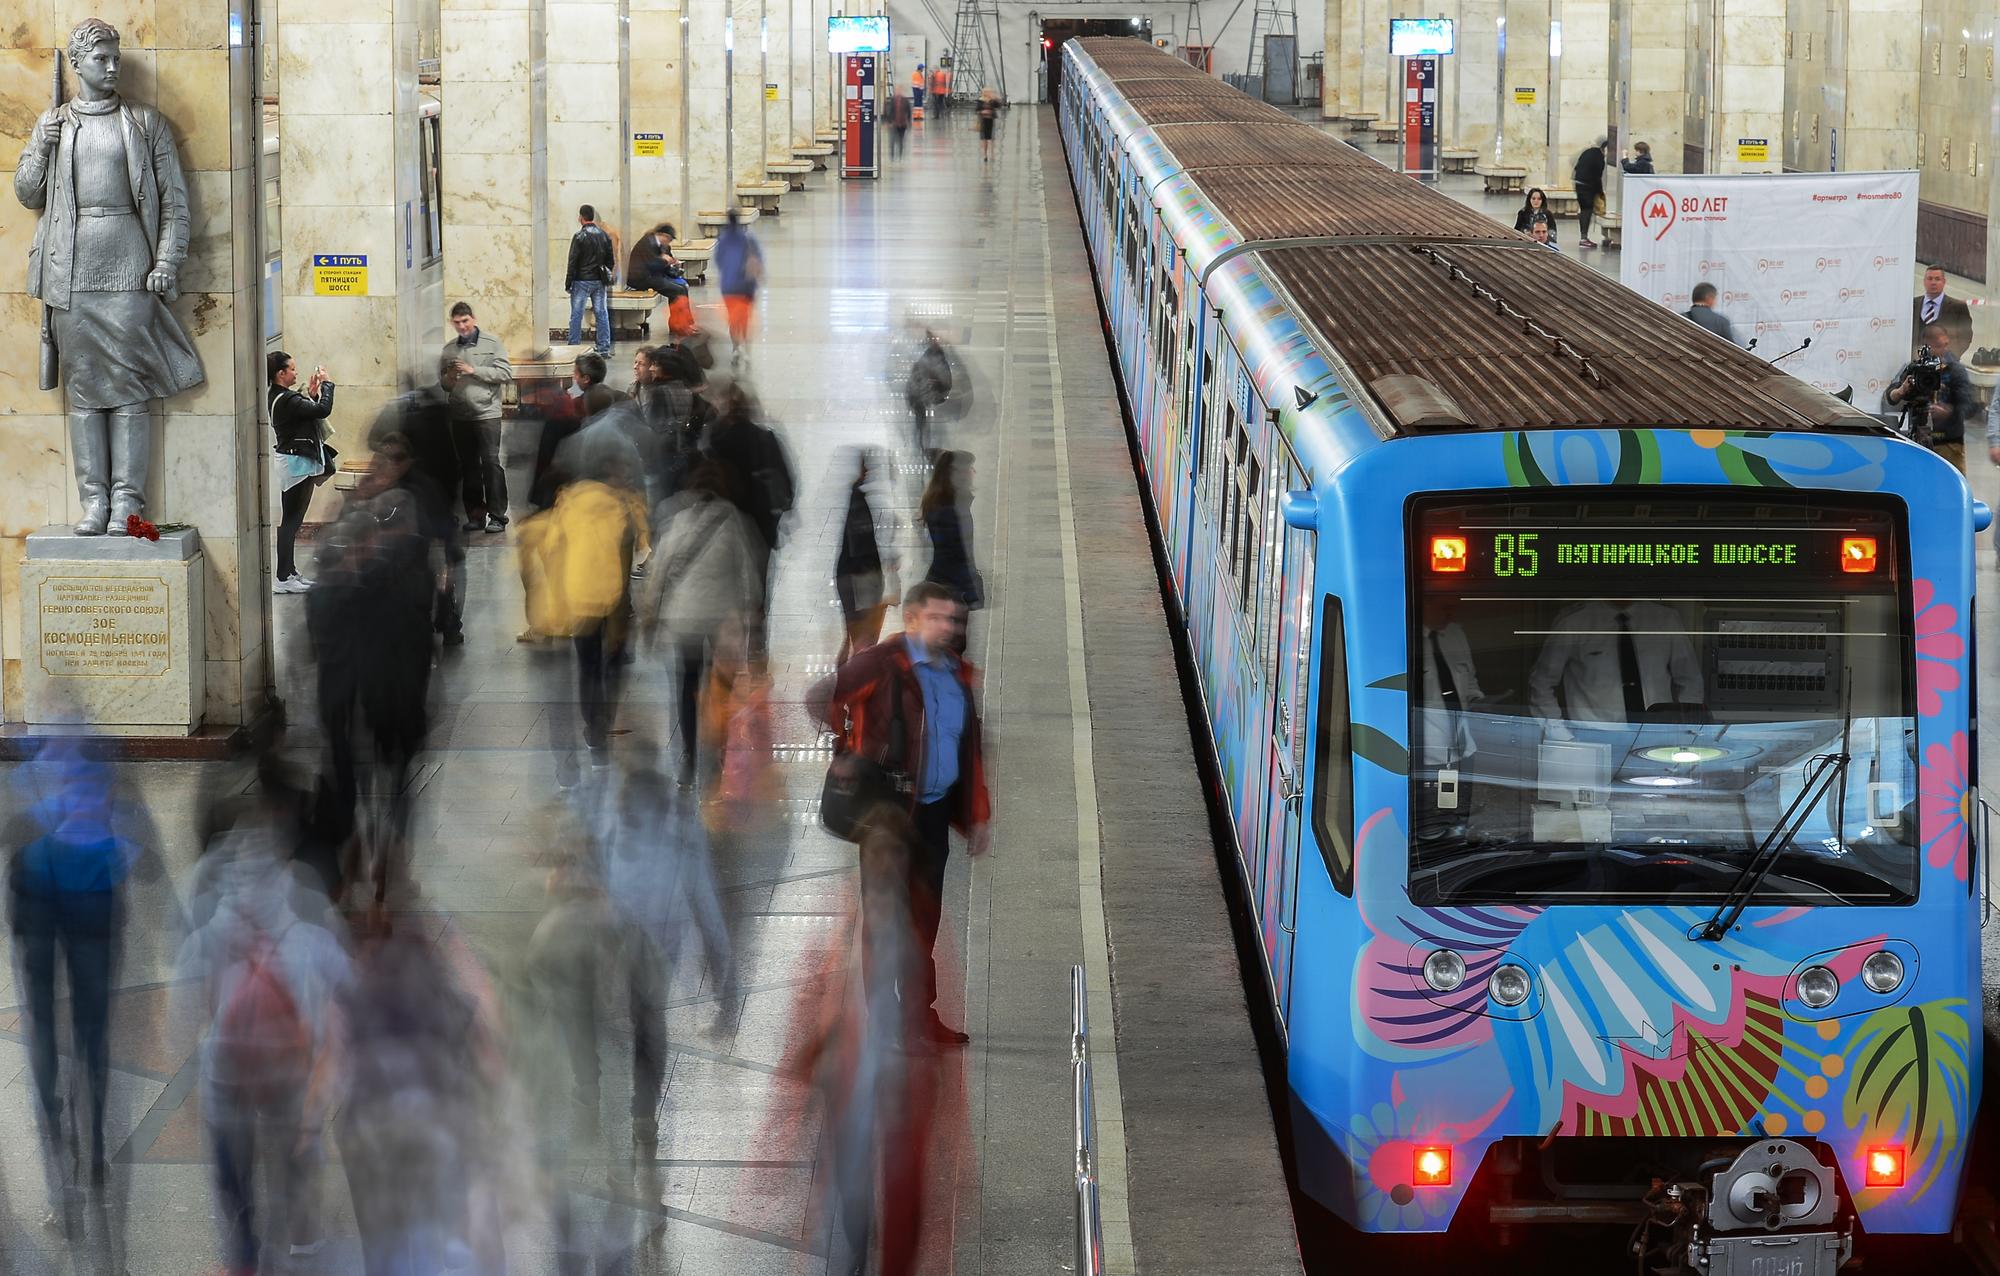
{"type": "Point", "coordinates": [12, 701]}
{"type": "Point", "coordinates": [1954, 108]}
{"type": "Point", "coordinates": [484, 119]}
{"type": "Point", "coordinates": [190, 24]}
{"type": "Point", "coordinates": [808, 48]}
{"type": "Point", "coordinates": [347, 335]}
{"type": "Point", "coordinates": [335, 69]}
{"type": "Point", "coordinates": [582, 92]}
{"type": "Point", "coordinates": [197, 467]}
{"type": "Point", "coordinates": [313, 228]}
{"type": "Point", "coordinates": [30, 24]}
{"type": "Point", "coordinates": [489, 263]}
{"type": "Point", "coordinates": [1475, 74]}
{"type": "Point", "coordinates": [1524, 126]}
{"type": "Point", "coordinates": [746, 115]}
{"type": "Point", "coordinates": [34, 473]}
{"type": "Point", "coordinates": [24, 95]}
{"type": "Point", "coordinates": [492, 188]}
{"type": "Point", "coordinates": [584, 151]}
{"type": "Point", "coordinates": [590, 31]}
{"type": "Point", "coordinates": [486, 47]}
{"type": "Point", "coordinates": [349, 163]}
{"type": "Point", "coordinates": [133, 18]}
{"type": "Point", "coordinates": [194, 94]}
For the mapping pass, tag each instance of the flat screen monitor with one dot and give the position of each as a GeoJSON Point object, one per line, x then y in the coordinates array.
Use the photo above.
{"type": "Point", "coordinates": [857, 35]}
{"type": "Point", "coordinates": [1420, 37]}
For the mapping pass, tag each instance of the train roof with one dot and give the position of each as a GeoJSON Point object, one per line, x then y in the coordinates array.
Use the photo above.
{"type": "Point", "coordinates": [1450, 320]}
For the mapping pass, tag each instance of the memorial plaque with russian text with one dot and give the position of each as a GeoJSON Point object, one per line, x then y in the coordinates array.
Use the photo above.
{"type": "Point", "coordinates": [105, 628]}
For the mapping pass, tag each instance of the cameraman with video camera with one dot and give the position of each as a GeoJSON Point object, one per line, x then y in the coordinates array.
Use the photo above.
{"type": "Point", "coordinates": [1935, 397]}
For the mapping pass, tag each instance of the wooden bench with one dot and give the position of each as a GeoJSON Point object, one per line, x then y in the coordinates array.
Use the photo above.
{"type": "Point", "coordinates": [1609, 229]}
{"type": "Point", "coordinates": [1361, 122]}
{"type": "Point", "coordinates": [1502, 179]}
{"type": "Point", "coordinates": [817, 155]}
{"type": "Point", "coordinates": [716, 219]}
{"type": "Point", "coordinates": [762, 196]}
{"type": "Point", "coordinates": [1388, 134]}
{"type": "Point", "coordinates": [1455, 160]}
{"type": "Point", "coordinates": [792, 172]}
{"type": "Point", "coordinates": [828, 140]}
{"type": "Point", "coordinates": [1562, 200]}
{"type": "Point", "coordinates": [693, 255]}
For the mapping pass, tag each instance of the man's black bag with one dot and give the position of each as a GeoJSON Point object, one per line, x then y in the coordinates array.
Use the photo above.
{"type": "Point", "coordinates": [856, 784]}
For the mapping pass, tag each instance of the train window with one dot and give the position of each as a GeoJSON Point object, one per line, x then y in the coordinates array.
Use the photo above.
{"type": "Point", "coordinates": [1249, 555]}
{"type": "Point", "coordinates": [430, 190]}
{"type": "Point", "coordinates": [1617, 699]}
{"type": "Point", "coordinates": [1333, 771]}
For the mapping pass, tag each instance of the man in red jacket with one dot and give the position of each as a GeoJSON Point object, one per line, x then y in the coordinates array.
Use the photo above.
{"type": "Point", "coordinates": [909, 702]}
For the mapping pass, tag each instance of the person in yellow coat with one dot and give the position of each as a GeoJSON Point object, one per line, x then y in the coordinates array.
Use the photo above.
{"type": "Point", "coordinates": [576, 566]}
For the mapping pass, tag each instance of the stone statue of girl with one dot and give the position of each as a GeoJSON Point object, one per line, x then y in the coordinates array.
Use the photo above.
{"type": "Point", "coordinates": [106, 260]}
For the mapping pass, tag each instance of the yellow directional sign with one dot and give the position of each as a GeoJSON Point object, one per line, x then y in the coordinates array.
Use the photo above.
{"type": "Point", "coordinates": [649, 145]}
{"type": "Point", "coordinates": [1753, 150]}
{"type": "Point", "coordinates": [1524, 96]}
{"type": "Point", "coordinates": [770, 92]}
{"type": "Point", "coordinates": [340, 274]}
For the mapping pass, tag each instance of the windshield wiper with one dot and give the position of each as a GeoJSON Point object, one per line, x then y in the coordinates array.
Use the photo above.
{"type": "Point", "coordinates": [1826, 768]}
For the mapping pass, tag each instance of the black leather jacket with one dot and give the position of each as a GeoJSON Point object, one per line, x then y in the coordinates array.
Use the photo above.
{"type": "Point", "coordinates": [295, 419]}
{"type": "Point", "coordinates": [590, 257]}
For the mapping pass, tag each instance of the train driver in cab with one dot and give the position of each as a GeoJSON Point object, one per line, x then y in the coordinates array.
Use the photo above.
{"type": "Point", "coordinates": [1613, 661]}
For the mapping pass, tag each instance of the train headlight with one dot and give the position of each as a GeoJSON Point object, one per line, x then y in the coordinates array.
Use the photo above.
{"type": "Point", "coordinates": [1508, 984]}
{"type": "Point", "coordinates": [1883, 972]}
{"type": "Point", "coordinates": [1444, 970]}
{"type": "Point", "coordinates": [1818, 986]}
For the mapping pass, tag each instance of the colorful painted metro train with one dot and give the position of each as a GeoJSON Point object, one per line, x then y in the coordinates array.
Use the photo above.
{"type": "Point", "coordinates": [1591, 702]}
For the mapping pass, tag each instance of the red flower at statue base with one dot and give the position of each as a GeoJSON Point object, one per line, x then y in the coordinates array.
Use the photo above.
{"type": "Point", "coordinates": [136, 526]}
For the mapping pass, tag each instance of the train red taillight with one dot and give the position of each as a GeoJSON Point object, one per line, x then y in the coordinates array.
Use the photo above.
{"type": "Point", "coordinates": [1431, 1167]}
{"type": "Point", "coordinates": [1448, 553]}
{"type": "Point", "coordinates": [1884, 1167]}
{"type": "Point", "coordinates": [1857, 554]}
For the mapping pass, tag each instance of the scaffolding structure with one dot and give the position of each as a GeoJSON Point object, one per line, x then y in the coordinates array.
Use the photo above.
{"type": "Point", "coordinates": [1279, 19]}
{"type": "Point", "coordinates": [1194, 44]}
{"type": "Point", "coordinates": [975, 49]}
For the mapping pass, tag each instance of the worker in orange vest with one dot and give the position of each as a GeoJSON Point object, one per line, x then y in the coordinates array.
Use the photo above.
{"type": "Point", "coordinates": [940, 89]}
{"type": "Point", "coordinates": [917, 92]}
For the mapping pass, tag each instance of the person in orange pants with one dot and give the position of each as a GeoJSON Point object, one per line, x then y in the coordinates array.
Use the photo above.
{"type": "Point", "coordinates": [739, 265]}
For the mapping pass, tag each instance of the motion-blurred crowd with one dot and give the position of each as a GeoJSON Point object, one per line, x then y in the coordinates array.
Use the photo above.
{"type": "Point", "coordinates": [374, 1092]}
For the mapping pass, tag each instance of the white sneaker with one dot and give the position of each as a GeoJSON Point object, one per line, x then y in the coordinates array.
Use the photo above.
{"type": "Point", "coordinates": [292, 585]}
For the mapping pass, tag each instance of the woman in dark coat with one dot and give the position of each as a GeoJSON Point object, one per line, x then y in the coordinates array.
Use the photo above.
{"type": "Point", "coordinates": [946, 507]}
{"type": "Point", "coordinates": [299, 453]}
{"type": "Point", "coordinates": [1535, 208]}
{"type": "Point", "coordinates": [857, 572]}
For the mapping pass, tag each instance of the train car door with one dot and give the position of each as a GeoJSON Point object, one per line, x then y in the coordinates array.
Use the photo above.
{"type": "Point", "coordinates": [1291, 654]}
{"type": "Point", "coordinates": [1181, 528]}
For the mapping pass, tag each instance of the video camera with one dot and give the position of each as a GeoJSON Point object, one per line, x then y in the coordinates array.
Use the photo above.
{"type": "Point", "coordinates": [1926, 374]}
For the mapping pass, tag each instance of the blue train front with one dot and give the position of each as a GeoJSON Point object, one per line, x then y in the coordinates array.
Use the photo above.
{"type": "Point", "coordinates": [1590, 702]}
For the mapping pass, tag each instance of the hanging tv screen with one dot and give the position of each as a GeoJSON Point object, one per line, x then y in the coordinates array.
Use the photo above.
{"type": "Point", "coordinates": [1420, 37]}
{"type": "Point", "coordinates": [857, 35]}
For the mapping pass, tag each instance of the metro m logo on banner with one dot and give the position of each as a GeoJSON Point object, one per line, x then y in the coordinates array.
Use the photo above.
{"type": "Point", "coordinates": [1792, 256]}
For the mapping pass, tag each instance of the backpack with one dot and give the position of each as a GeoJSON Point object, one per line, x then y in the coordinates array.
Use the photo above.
{"type": "Point", "coordinates": [51, 865]}
{"type": "Point", "coordinates": [262, 1043]}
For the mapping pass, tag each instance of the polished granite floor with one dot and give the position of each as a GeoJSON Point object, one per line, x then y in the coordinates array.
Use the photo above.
{"type": "Point", "coordinates": [941, 239]}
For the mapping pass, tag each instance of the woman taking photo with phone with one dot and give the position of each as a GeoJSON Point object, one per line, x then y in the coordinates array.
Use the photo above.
{"type": "Point", "coordinates": [299, 455]}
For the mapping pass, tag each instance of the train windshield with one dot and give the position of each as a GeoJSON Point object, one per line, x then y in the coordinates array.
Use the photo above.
{"type": "Point", "coordinates": [1616, 699]}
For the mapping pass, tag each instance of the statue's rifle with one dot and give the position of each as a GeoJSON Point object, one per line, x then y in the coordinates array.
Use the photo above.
{"type": "Point", "coordinates": [50, 367]}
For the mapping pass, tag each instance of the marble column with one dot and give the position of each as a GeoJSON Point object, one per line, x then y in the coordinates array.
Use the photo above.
{"type": "Point", "coordinates": [1353, 53]}
{"type": "Point", "coordinates": [1474, 75]}
{"type": "Point", "coordinates": [1654, 69]}
{"type": "Point", "coordinates": [588, 149]}
{"type": "Point", "coordinates": [808, 51]}
{"type": "Point", "coordinates": [704, 100]}
{"type": "Point", "coordinates": [1748, 100]}
{"type": "Point", "coordinates": [746, 88]}
{"type": "Point", "coordinates": [1329, 101]}
{"type": "Point", "coordinates": [1377, 94]}
{"type": "Point", "coordinates": [189, 58]}
{"type": "Point", "coordinates": [494, 84]}
{"type": "Point", "coordinates": [347, 124]}
{"type": "Point", "coordinates": [655, 106]}
{"type": "Point", "coordinates": [777, 75]}
{"type": "Point", "coordinates": [1882, 54]}
{"type": "Point", "coordinates": [1524, 88]}
{"type": "Point", "coordinates": [1583, 94]}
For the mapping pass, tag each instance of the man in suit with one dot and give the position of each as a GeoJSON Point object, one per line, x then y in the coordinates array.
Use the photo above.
{"type": "Point", "coordinates": [1703, 312]}
{"type": "Point", "coordinates": [1934, 307]}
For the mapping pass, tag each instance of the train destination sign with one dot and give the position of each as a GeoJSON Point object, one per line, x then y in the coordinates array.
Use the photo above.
{"type": "Point", "coordinates": [1600, 557]}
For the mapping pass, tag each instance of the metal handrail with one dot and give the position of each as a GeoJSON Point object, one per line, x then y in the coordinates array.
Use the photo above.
{"type": "Point", "coordinates": [1083, 1123]}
